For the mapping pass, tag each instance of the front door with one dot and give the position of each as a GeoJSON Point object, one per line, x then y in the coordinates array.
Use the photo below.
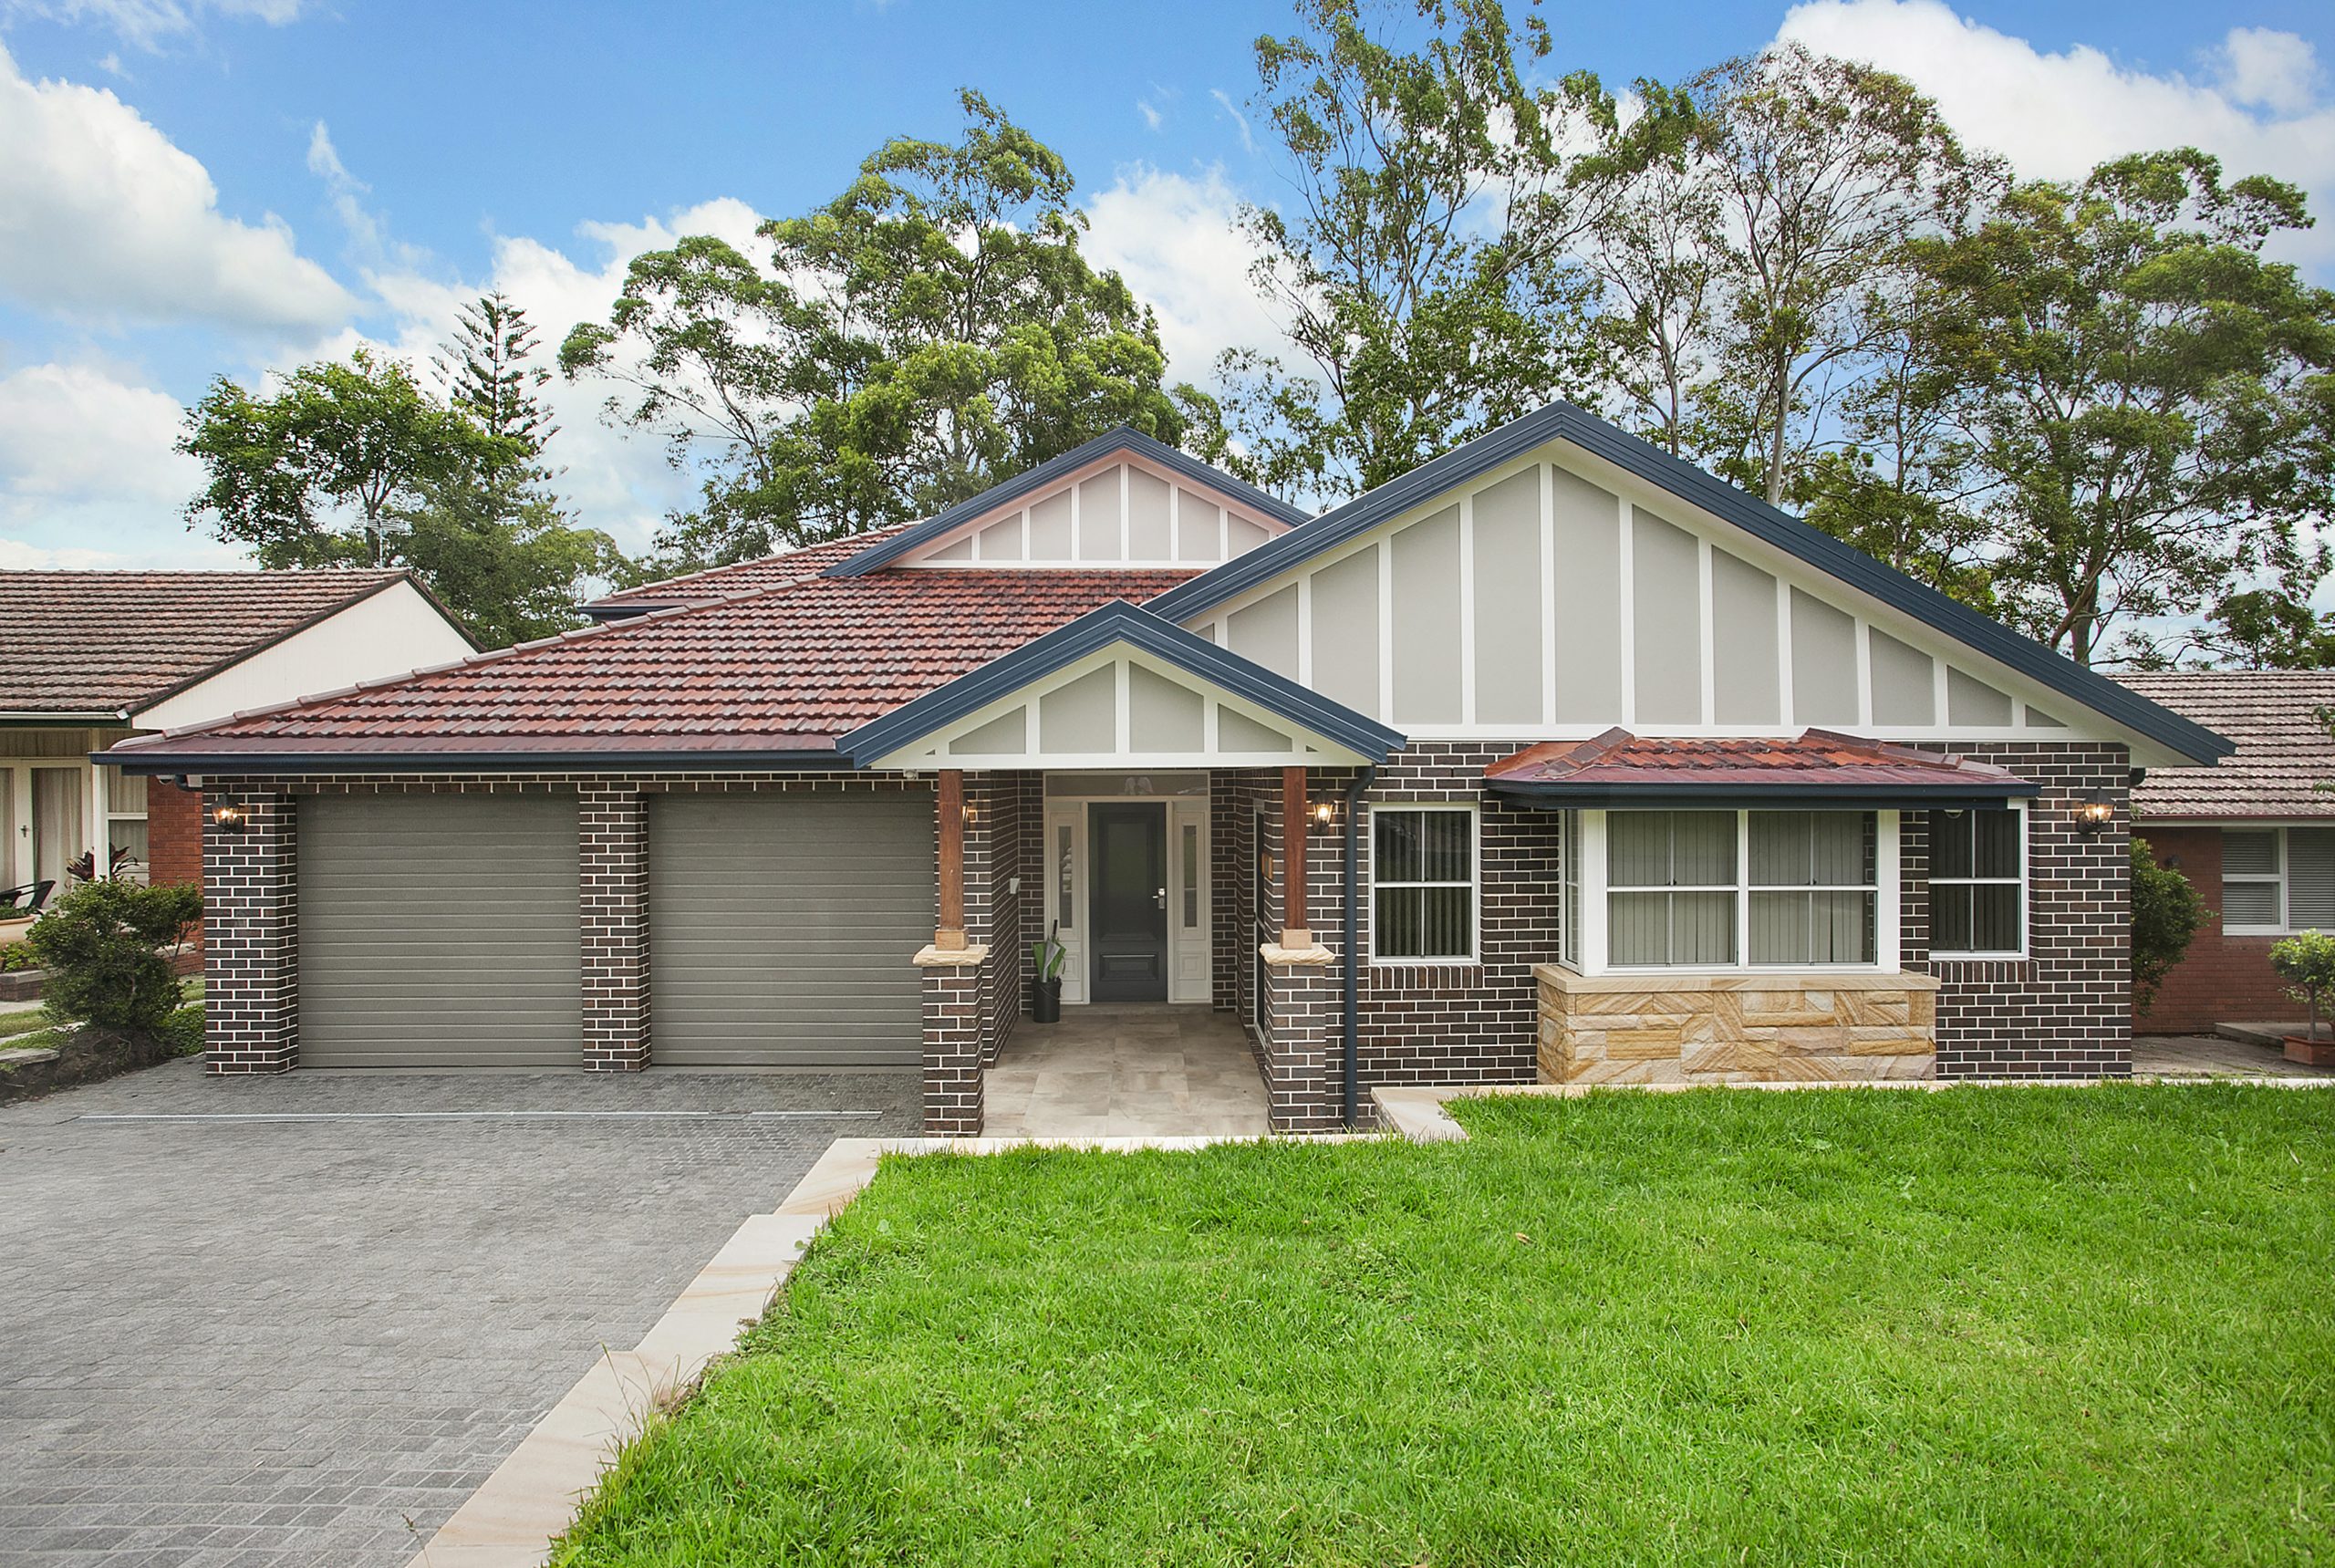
{"type": "Point", "coordinates": [1127, 901]}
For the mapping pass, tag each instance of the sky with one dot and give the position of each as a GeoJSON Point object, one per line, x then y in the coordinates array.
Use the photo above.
{"type": "Point", "coordinates": [198, 188]}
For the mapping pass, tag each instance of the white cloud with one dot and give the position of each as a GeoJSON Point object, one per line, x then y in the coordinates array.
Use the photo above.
{"type": "Point", "coordinates": [146, 23]}
{"type": "Point", "coordinates": [2055, 116]}
{"type": "Point", "coordinates": [1171, 237]}
{"type": "Point", "coordinates": [102, 219]}
{"type": "Point", "coordinates": [345, 189]}
{"type": "Point", "coordinates": [1152, 117]}
{"type": "Point", "coordinates": [89, 476]}
{"type": "Point", "coordinates": [1240, 121]}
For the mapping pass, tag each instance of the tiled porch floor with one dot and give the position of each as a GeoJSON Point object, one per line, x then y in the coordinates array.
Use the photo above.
{"type": "Point", "coordinates": [1126, 1071]}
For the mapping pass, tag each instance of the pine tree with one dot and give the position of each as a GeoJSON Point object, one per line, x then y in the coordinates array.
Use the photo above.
{"type": "Point", "coordinates": [487, 376]}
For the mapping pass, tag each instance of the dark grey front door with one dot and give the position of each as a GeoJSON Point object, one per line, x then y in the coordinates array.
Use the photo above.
{"type": "Point", "coordinates": [1127, 902]}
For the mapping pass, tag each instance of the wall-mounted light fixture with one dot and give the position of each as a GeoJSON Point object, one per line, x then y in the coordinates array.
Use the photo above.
{"type": "Point", "coordinates": [2094, 812]}
{"type": "Point", "coordinates": [1325, 810]}
{"type": "Point", "coordinates": [229, 818]}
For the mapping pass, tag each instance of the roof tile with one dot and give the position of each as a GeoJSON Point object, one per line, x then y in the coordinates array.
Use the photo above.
{"type": "Point", "coordinates": [2283, 754]}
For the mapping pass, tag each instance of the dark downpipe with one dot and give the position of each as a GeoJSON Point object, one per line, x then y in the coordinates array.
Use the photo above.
{"type": "Point", "coordinates": [1353, 998]}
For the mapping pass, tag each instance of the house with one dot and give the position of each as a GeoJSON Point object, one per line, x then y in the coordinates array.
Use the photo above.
{"type": "Point", "coordinates": [1555, 758]}
{"type": "Point", "coordinates": [88, 659]}
{"type": "Point", "coordinates": [2255, 834]}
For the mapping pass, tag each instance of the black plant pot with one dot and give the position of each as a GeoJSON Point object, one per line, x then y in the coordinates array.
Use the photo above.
{"type": "Point", "coordinates": [1045, 1001]}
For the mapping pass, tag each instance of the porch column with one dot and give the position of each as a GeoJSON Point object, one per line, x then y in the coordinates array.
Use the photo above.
{"type": "Point", "coordinates": [1296, 929]}
{"type": "Point", "coordinates": [950, 937]}
{"type": "Point", "coordinates": [251, 906]}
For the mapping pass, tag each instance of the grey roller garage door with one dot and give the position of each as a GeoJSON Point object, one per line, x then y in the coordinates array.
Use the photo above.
{"type": "Point", "coordinates": [782, 927]}
{"type": "Point", "coordinates": [439, 931]}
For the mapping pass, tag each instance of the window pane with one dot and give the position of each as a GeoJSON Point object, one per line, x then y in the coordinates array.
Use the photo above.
{"type": "Point", "coordinates": [1998, 842]}
{"type": "Point", "coordinates": [1638, 929]}
{"type": "Point", "coordinates": [126, 794]}
{"type": "Point", "coordinates": [1950, 917]}
{"type": "Point", "coordinates": [1841, 928]}
{"type": "Point", "coordinates": [1844, 845]}
{"type": "Point", "coordinates": [1638, 848]}
{"type": "Point", "coordinates": [1994, 918]}
{"type": "Point", "coordinates": [1782, 848]}
{"type": "Point", "coordinates": [2249, 904]}
{"type": "Point", "coordinates": [1949, 844]}
{"type": "Point", "coordinates": [1191, 876]}
{"type": "Point", "coordinates": [1703, 849]}
{"type": "Point", "coordinates": [2249, 852]}
{"type": "Point", "coordinates": [2310, 878]}
{"type": "Point", "coordinates": [1062, 903]}
{"type": "Point", "coordinates": [1397, 930]}
{"type": "Point", "coordinates": [1702, 928]}
{"type": "Point", "coordinates": [130, 834]}
{"type": "Point", "coordinates": [1779, 922]}
{"type": "Point", "coordinates": [1398, 846]}
{"type": "Point", "coordinates": [1447, 921]}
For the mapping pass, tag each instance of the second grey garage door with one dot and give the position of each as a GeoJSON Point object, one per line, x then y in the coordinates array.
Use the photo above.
{"type": "Point", "coordinates": [782, 929]}
{"type": "Point", "coordinates": [438, 930]}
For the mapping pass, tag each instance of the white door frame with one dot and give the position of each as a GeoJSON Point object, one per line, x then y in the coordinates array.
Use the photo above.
{"type": "Point", "coordinates": [1190, 949]}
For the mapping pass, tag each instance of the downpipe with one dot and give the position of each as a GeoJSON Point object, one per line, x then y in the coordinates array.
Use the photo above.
{"type": "Point", "coordinates": [1351, 1042]}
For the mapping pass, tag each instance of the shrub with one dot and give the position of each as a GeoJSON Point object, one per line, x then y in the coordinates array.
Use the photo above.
{"type": "Point", "coordinates": [2307, 963]}
{"type": "Point", "coordinates": [2166, 913]}
{"type": "Point", "coordinates": [98, 944]}
{"type": "Point", "coordinates": [183, 1030]}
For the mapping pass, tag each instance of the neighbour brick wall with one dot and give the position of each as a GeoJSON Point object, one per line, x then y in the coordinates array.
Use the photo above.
{"type": "Point", "coordinates": [174, 839]}
{"type": "Point", "coordinates": [251, 964]}
{"type": "Point", "coordinates": [2222, 978]}
{"type": "Point", "coordinates": [2065, 1010]}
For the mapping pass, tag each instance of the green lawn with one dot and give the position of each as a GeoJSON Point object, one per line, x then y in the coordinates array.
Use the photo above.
{"type": "Point", "coordinates": [2033, 1325]}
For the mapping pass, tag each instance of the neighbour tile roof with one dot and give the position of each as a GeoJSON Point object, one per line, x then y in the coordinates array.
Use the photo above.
{"type": "Point", "coordinates": [744, 576]}
{"type": "Point", "coordinates": [785, 669]}
{"type": "Point", "coordinates": [1816, 762]}
{"type": "Point", "coordinates": [82, 642]}
{"type": "Point", "coordinates": [2281, 752]}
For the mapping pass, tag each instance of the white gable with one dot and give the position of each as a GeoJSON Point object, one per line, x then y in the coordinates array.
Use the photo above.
{"type": "Point", "coordinates": [1120, 511]}
{"type": "Point", "coordinates": [1558, 596]}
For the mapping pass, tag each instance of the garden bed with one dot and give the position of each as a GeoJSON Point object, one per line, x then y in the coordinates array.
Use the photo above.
{"type": "Point", "coordinates": [2028, 1326]}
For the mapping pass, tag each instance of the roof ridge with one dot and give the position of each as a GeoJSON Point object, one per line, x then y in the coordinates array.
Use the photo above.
{"type": "Point", "coordinates": [618, 596]}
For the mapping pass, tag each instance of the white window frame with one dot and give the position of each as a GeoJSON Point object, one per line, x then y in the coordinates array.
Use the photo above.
{"type": "Point", "coordinates": [2025, 897]}
{"type": "Point", "coordinates": [1475, 885]}
{"type": "Point", "coordinates": [2281, 878]}
{"type": "Point", "coordinates": [1597, 890]}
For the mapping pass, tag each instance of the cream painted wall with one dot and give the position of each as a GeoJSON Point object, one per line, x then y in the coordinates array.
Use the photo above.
{"type": "Point", "coordinates": [1559, 596]}
{"type": "Point", "coordinates": [1119, 511]}
{"type": "Point", "coordinates": [390, 632]}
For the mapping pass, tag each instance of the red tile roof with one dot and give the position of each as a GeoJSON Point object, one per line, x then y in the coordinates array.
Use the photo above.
{"type": "Point", "coordinates": [1818, 762]}
{"type": "Point", "coordinates": [82, 642]}
{"type": "Point", "coordinates": [747, 576]}
{"type": "Point", "coordinates": [783, 669]}
{"type": "Point", "coordinates": [2282, 752]}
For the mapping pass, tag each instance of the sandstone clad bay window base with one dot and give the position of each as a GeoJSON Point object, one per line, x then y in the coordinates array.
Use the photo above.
{"type": "Point", "coordinates": [1735, 1028]}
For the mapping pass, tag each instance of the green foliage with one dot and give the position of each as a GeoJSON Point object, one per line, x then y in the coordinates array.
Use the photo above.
{"type": "Point", "coordinates": [1695, 1329]}
{"type": "Point", "coordinates": [2148, 401]}
{"type": "Point", "coordinates": [1422, 269]}
{"type": "Point", "coordinates": [183, 1029]}
{"type": "Point", "coordinates": [2269, 629]}
{"type": "Point", "coordinates": [2306, 961]}
{"type": "Point", "coordinates": [929, 333]}
{"type": "Point", "coordinates": [2167, 914]}
{"type": "Point", "coordinates": [488, 378]}
{"type": "Point", "coordinates": [98, 944]}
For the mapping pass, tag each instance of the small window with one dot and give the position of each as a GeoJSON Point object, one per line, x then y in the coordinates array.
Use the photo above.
{"type": "Point", "coordinates": [1063, 887]}
{"type": "Point", "coordinates": [2278, 879]}
{"type": "Point", "coordinates": [1191, 876]}
{"type": "Point", "coordinates": [1979, 881]}
{"type": "Point", "coordinates": [1569, 889]}
{"type": "Point", "coordinates": [1670, 876]}
{"type": "Point", "coordinates": [1423, 882]}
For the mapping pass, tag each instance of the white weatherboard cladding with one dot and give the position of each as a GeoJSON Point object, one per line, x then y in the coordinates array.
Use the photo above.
{"type": "Point", "coordinates": [1120, 708]}
{"type": "Point", "coordinates": [1114, 512]}
{"type": "Point", "coordinates": [1556, 596]}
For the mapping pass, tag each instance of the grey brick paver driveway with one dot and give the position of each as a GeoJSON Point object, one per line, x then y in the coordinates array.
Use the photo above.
{"type": "Point", "coordinates": [276, 1341]}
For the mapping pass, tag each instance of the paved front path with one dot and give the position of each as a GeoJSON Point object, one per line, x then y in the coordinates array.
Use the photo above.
{"type": "Point", "coordinates": [2211, 1057]}
{"type": "Point", "coordinates": [278, 1341]}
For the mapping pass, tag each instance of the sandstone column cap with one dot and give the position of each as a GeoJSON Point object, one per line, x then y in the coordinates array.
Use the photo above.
{"type": "Point", "coordinates": [1280, 957]}
{"type": "Point", "coordinates": [930, 957]}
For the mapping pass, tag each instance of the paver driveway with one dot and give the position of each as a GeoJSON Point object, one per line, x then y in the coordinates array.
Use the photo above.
{"type": "Point", "coordinates": [285, 1316]}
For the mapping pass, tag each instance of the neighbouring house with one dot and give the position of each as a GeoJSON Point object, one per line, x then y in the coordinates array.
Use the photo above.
{"type": "Point", "coordinates": [2255, 834]}
{"type": "Point", "coordinates": [88, 659]}
{"type": "Point", "coordinates": [1555, 757]}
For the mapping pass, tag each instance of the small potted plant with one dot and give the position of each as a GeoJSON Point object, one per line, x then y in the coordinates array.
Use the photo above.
{"type": "Point", "coordinates": [2307, 963]}
{"type": "Point", "coordinates": [1046, 995]}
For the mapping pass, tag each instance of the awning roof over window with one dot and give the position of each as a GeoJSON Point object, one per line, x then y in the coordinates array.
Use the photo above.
{"type": "Point", "coordinates": [1817, 770]}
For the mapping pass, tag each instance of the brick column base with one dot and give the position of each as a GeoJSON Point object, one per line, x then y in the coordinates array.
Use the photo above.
{"type": "Point", "coordinates": [1302, 1042]}
{"type": "Point", "coordinates": [251, 891]}
{"type": "Point", "coordinates": [953, 1079]}
{"type": "Point", "coordinates": [613, 858]}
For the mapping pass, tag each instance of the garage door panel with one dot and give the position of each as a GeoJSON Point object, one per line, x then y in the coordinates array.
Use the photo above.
{"type": "Point", "coordinates": [781, 927]}
{"type": "Point", "coordinates": [440, 930]}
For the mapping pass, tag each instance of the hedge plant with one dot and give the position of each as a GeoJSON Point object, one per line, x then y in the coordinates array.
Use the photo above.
{"type": "Point", "coordinates": [98, 944]}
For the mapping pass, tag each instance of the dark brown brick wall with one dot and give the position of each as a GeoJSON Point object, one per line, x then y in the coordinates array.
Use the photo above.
{"type": "Point", "coordinates": [2223, 979]}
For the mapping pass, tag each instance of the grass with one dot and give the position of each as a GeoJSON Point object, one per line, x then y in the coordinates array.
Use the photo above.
{"type": "Point", "coordinates": [2042, 1325]}
{"type": "Point", "coordinates": [33, 1028]}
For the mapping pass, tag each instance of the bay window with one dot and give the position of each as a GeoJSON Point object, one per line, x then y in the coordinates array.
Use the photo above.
{"type": "Point", "coordinates": [1744, 889]}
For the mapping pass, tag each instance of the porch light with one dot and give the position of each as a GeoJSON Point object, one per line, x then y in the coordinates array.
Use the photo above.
{"type": "Point", "coordinates": [2094, 812]}
{"type": "Point", "coordinates": [229, 818]}
{"type": "Point", "coordinates": [1325, 810]}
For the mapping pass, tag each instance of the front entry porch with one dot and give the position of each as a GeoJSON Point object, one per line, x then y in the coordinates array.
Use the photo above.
{"type": "Point", "coordinates": [1116, 1071]}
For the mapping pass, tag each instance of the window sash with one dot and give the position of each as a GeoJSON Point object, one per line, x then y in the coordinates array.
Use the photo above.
{"type": "Point", "coordinates": [1969, 850]}
{"type": "Point", "coordinates": [1704, 925]}
{"type": "Point", "coordinates": [2299, 883]}
{"type": "Point", "coordinates": [1428, 911]}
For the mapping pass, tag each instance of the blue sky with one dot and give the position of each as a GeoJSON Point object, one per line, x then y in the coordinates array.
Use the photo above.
{"type": "Point", "coordinates": [193, 187]}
